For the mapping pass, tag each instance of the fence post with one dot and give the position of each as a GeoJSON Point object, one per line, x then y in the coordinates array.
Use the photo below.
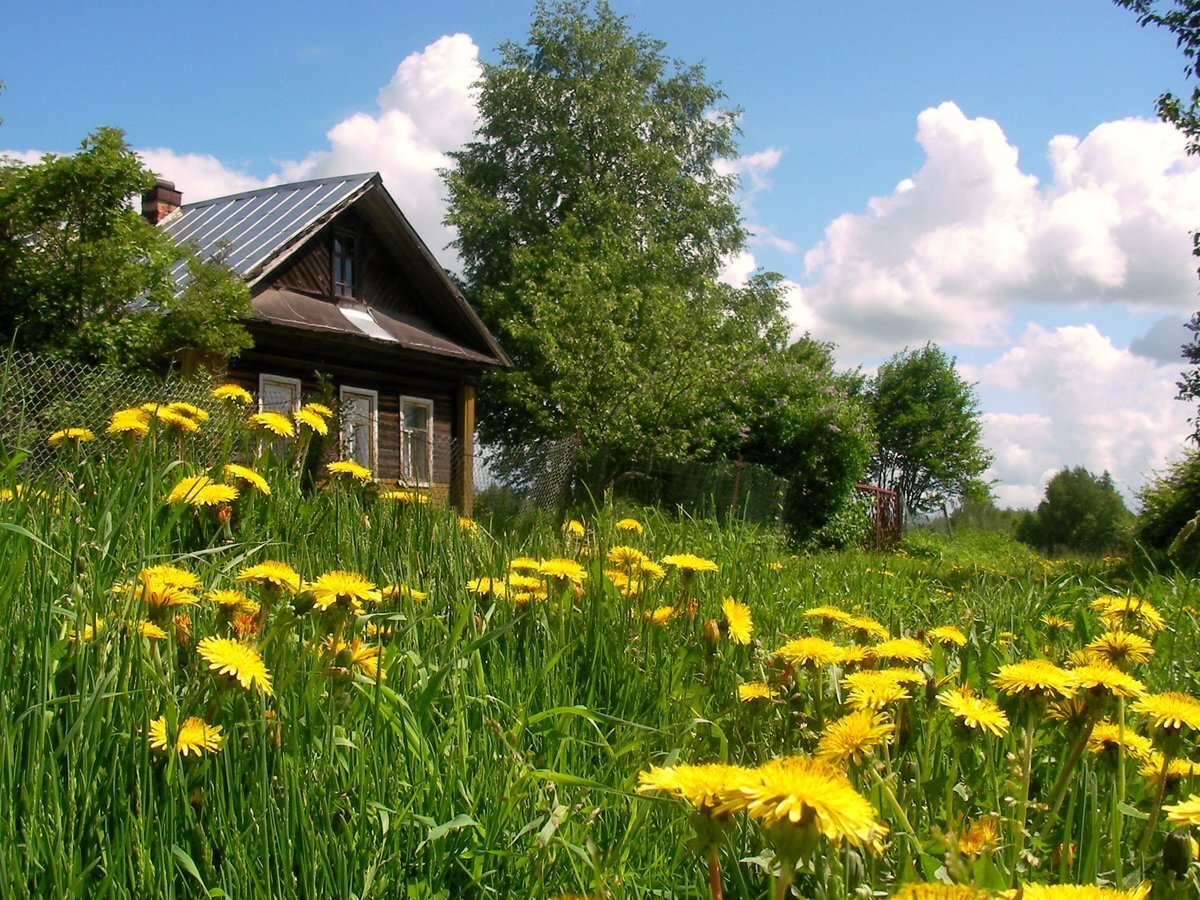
{"type": "Point", "coordinates": [738, 465]}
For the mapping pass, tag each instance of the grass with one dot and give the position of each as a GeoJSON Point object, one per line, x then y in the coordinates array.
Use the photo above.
{"type": "Point", "coordinates": [500, 754]}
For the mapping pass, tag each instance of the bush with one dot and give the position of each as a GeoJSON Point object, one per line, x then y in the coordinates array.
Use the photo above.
{"type": "Point", "coordinates": [1081, 513]}
{"type": "Point", "coordinates": [1169, 502]}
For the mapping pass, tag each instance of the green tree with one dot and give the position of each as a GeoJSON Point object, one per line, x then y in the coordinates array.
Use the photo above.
{"type": "Point", "coordinates": [926, 421]}
{"type": "Point", "coordinates": [1080, 513]}
{"type": "Point", "coordinates": [592, 224]}
{"type": "Point", "coordinates": [83, 275]}
{"type": "Point", "coordinates": [1167, 523]}
{"type": "Point", "coordinates": [806, 422]}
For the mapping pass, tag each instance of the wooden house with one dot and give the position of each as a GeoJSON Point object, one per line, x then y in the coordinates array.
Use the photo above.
{"type": "Point", "coordinates": [342, 286]}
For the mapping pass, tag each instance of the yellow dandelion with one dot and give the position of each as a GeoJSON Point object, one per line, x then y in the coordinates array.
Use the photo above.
{"type": "Point", "coordinates": [74, 436]}
{"type": "Point", "coordinates": [348, 590]}
{"type": "Point", "coordinates": [808, 793]}
{"type": "Point", "coordinates": [232, 393]}
{"type": "Point", "coordinates": [562, 571]}
{"type": "Point", "coordinates": [317, 409]}
{"type": "Point", "coordinates": [467, 525]}
{"type": "Point", "coordinates": [88, 632]}
{"type": "Point", "coordinates": [850, 739]}
{"type": "Point", "coordinates": [816, 652]}
{"type": "Point", "coordinates": [978, 836]}
{"type": "Point", "coordinates": [350, 469]}
{"type": "Point", "coordinates": [523, 564]}
{"type": "Point", "coordinates": [827, 614]}
{"type": "Point", "coordinates": [239, 661]}
{"type": "Point", "coordinates": [752, 691]}
{"type": "Point", "coordinates": [864, 628]}
{"type": "Point", "coordinates": [1081, 892]}
{"type": "Point", "coordinates": [234, 472]}
{"type": "Point", "coordinates": [272, 573]}
{"type": "Point", "coordinates": [1035, 678]}
{"type": "Point", "coordinates": [487, 586]}
{"type": "Point", "coordinates": [1103, 679]}
{"type": "Point", "coordinates": [1121, 648]}
{"type": "Point", "coordinates": [231, 600]}
{"type": "Point", "coordinates": [902, 650]}
{"type": "Point", "coordinates": [874, 689]}
{"type": "Point", "coordinates": [311, 421]}
{"type": "Point", "coordinates": [1186, 813]}
{"type": "Point", "coordinates": [1177, 770]}
{"type": "Point", "coordinates": [1107, 735]}
{"type": "Point", "coordinates": [129, 421]}
{"type": "Point", "coordinates": [272, 422]}
{"type": "Point", "coordinates": [150, 631]}
{"type": "Point", "coordinates": [404, 592]}
{"type": "Point", "coordinates": [1170, 711]}
{"type": "Point", "coordinates": [405, 498]}
{"type": "Point", "coordinates": [629, 526]}
{"type": "Point", "coordinates": [343, 658]}
{"type": "Point", "coordinates": [689, 563]}
{"type": "Point", "coordinates": [1055, 624]}
{"type": "Point", "coordinates": [660, 616]}
{"type": "Point", "coordinates": [626, 557]}
{"type": "Point", "coordinates": [974, 712]}
{"type": "Point", "coordinates": [191, 410]}
{"type": "Point", "coordinates": [703, 786]}
{"type": "Point", "coordinates": [1125, 612]}
{"type": "Point", "coordinates": [200, 490]}
{"type": "Point", "coordinates": [948, 635]}
{"type": "Point", "coordinates": [573, 529]}
{"type": "Point", "coordinates": [163, 587]}
{"type": "Point", "coordinates": [648, 568]}
{"type": "Point", "coordinates": [737, 620]}
{"type": "Point", "coordinates": [937, 891]}
{"type": "Point", "coordinates": [852, 655]}
{"type": "Point", "coordinates": [195, 737]}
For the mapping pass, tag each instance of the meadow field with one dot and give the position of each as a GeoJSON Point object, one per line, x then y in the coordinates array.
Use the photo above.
{"type": "Point", "coordinates": [217, 680]}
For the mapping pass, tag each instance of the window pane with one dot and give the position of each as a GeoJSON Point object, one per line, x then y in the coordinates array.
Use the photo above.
{"type": "Point", "coordinates": [415, 442]}
{"type": "Point", "coordinates": [356, 430]}
{"type": "Point", "coordinates": [277, 397]}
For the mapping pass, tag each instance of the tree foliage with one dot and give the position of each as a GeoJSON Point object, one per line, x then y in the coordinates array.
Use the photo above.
{"type": "Point", "coordinates": [926, 421]}
{"type": "Point", "coordinates": [83, 275]}
{"type": "Point", "coordinates": [1166, 525]}
{"type": "Point", "coordinates": [1080, 513]}
{"type": "Point", "coordinates": [592, 223]}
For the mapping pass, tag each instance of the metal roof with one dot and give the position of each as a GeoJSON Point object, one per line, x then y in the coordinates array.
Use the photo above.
{"type": "Point", "coordinates": [254, 226]}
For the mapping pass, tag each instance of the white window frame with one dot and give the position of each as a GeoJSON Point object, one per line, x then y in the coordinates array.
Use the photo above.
{"type": "Point", "coordinates": [265, 379]}
{"type": "Point", "coordinates": [405, 465]}
{"type": "Point", "coordinates": [372, 397]}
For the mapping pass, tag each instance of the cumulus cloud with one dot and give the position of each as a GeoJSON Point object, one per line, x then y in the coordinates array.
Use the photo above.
{"type": "Point", "coordinates": [946, 254]}
{"type": "Point", "coordinates": [201, 176]}
{"type": "Point", "coordinates": [1163, 341]}
{"type": "Point", "coordinates": [1095, 405]}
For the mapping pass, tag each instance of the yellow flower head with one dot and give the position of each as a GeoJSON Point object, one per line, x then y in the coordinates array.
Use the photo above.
{"type": "Point", "coordinates": [626, 557]}
{"type": "Point", "coordinates": [574, 529]}
{"type": "Point", "coordinates": [162, 587]}
{"type": "Point", "coordinates": [1103, 679]}
{"type": "Point", "coordinates": [172, 419]}
{"type": "Point", "coordinates": [317, 409]}
{"type": "Point", "coordinates": [232, 601]}
{"type": "Point", "coordinates": [487, 586]}
{"type": "Point", "coordinates": [195, 737]}
{"type": "Point", "coordinates": [1055, 624]}
{"type": "Point", "coordinates": [232, 393]}
{"type": "Point", "coordinates": [150, 631]}
{"type": "Point", "coordinates": [311, 421]}
{"type": "Point", "coordinates": [1107, 735]}
{"type": "Point", "coordinates": [562, 570]}
{"type": "Point", "coordinates": [816, 652]}
{"type": "Point", "coordinates": [703, 786]}
{"type": "Point", "coordinates": [751, 691]}
{"type": "Point", "coordinates": [1185, 813]}
{"type": "Point", "coordinates": [405, 498]}
{"type": "Point", "coordinates": [850, 739]}
{"type": "Point", "coordinates": [660, 616]}
{"type": "Point", "coordinates": [130, 421]}
{"type": "Point", "coordinates": [345, 589]}
{"type": "Point", "coordinates": [901, 650]}
{"type": "Point", "coordinates": [70, 435]}
{"type": "Point", "coordinates": [247, 475]}
{"type": "Point", "coordinates": [272, 422]}
{"type": "Point", "coordinates": [1120, 613]}
{"type": "Point", "coordinates": [864, 628]}
{"type": "Point", "coordinates": [827, 614]}
{"type": "Point", "coordinates": [807, 792]}
{"type": "Point", "coordinates": [272, 573]}
{"type": "Point", "coordinates": [979, 836]}
{"type": "Point", "coordinates": [1121, 648]}
{"type": "Point", "coordinates": [343, 658]}
{"type": "Point", "coordinates": [874, 689]}
{"type": "Point", "coordinates": [629, 526]}
{"type": "Point", "coordinates": [1035, 678]}
{"type": "Point", "coordinates": [1081, 892]}
{"type": "Point", "coordinates": [350, 469]}
{"type": "Point", "coordinates": [948, 635]}
{"type": "Point", "coordinates": [1169, 711]}
{"type": "Point", "coordinates": [200, 490]}
{"type": "Point", "coordinates": [937, 891]}
{"type": "Point", "coordinates": [239, 661]}
{"type": "Point", "coordinates": [974, 712]}
{"type": "Point", "coordinates": [689, 564]}
{"type": "Point", "coordinates": [737, 620]}
{"type": "Point", "coordinates": [88, 632]}
{"type": "Point", "coordinates": [403, 591]}
{"type": "Point", "coordinates": [467, 525]}
{"type": "Point", "coordinates": [191, 410]}
{"type": "Point", "coordinates": [523, 564]}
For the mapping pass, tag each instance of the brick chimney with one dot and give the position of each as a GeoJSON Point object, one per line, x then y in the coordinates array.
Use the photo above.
{"type": "Point", "coordinates": [160, 201]}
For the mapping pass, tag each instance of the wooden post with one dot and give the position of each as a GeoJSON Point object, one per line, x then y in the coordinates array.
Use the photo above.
{"type": "Point", "coordinates": [462, 488]}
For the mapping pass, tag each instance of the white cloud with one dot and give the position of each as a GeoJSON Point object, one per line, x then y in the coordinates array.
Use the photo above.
{"type": "Point", "coordinates": [200, 177]}
{"type": "Point", "coordinates": [946, 254]}
{"type": "Point", "coordinates": [1097, 406]}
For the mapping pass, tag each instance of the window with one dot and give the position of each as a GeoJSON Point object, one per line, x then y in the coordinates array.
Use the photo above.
{"type": "Point", "coordinates": [278, 394]}
{"type": "Point", "coordinates": [416, 440]}
{"type": "Point", "coordinates": [343, 264]}
{"type": "Point", "coordinates": [359, 426]}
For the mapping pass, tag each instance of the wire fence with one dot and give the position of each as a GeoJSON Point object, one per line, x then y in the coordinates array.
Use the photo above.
{"type": "Point", "coordinates": [40, 395]}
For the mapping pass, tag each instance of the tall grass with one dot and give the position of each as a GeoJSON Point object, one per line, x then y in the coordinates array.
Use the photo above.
{"type": "Point", "coordinates": [499, 755]}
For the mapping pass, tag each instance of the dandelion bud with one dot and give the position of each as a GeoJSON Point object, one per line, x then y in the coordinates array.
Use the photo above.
{"type": "Point", "coordinates": [712, 632]}
{"type": "Point", "coordinates": [1177, 853]}
{"type": "Point", "coordinates": [303, 602]}
{"type": "Point", "coordinates": [224, 514]}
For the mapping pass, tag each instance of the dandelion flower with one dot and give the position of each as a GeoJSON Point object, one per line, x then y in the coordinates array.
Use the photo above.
{"type": "Point", "coordinates": [827, 614]}
{"type": "Point", "coordinates": [164, 587]}
{"type": "Point", "coordinates": [874, 689]}
{"type": "Point", "coordinates": [852, 654]}
{"type": "Point", "coordinates": [1169, 711]}
{"type": "Point", "coordinates": [191, 410]}
{"type": "Point", "coordinates": [231, 600]}
{"type": "Point", "coordinates": [150, 631]}
{"type": "Point", "coordinates": [902, 650]}
{"type": "Point", "coordinates": [70, 435]}
{"type": "Point", "coordinates": [1185, 813]}
{"type": "Point", "coordinates": [346, 657]}
{"type": "Point", "coordinates": [629, 526]}
{"type": "Point", "coordinates": [1101, 678]}
{"type": "Point", "coordinates": [937, 891]}
{"type": "Point", "coordinates": [574, 529]}
{"type": "Point", "coordinates": [129, 421]}
{"type": "Point", "coordinates": [1121, 648]}
{"type": "Point", "coordinates": [523, 564]}
{"type": "Point", "coordinates": [467, 525]}
{"type": "Point", "coordinates": [626, 557]}
{"type": "Point", "coordinates": [562, 570]}
{"type": "Point", "coordinates": [311, 421]}
{"type": "Point", "coordinates": [232, 393]}
{"type": "Point", "coordinates": [200, 490]}
{"type": "Point", "coordinates": [487, 586]}
{"type": "Point", "coordinates": [272, 573]}
{"type": "Point", "coordinates": [811, 793]}
{"type": "Point", "coordinates": [346, 589]}
{"type": "Point", "coordinates": [405, 498]}
{"type": "Point", "coordinates": [88, 632]}
{"type": "Point", "coordinates": [243, 473]}
{"type": "Point", "coordinates": [239, 661]}
{"type": "Point", "coordinates": [703, 786]}
{"type": "Point", "coordinates": [850, 739]}
{"type": "Point", "coordinates": [738, 620]}
{"type": "Point", "coordinates": [1176, 770]}
{"type": "Point", "coordinates": [1034, 677]}
{"type": "Point", "coordinates": [1107, 735]}
{"type": "Point", "coordinates": [864, 628]}
{"type": "Point", "coordinates": [690, 564]}
{"type": "Point", "coordinates": [272, 422]}
{"type": "Point", "coordinates": [1124, 612]}
{"type": "Point", "coordinates": [648, 568]}
{"type": "Point", "coordinates": [195, 737]}
{"type": "Point", "coordinates": [317, 409]}
{"type": "Point", "coordinates": [751, 691]}
{"type": "Point", "coordinates": [974, 712]}
{"type": "Point", "coordinates": [1081, 892]}
{"type": "Point", "coordinates": [1055, 624]}
{"type": "Point", "coordinates": [350, 469]}
{"type": "Point", "coordinates": [948, 635]}
{"type": "Point", "coordinates": [403, 591]}
{"type": "Point", "coordinates": [816, 652]}
{"type": "Point", "coordinates": [660, 616]}
{"type": "Point", "coordinates": [979, 836]}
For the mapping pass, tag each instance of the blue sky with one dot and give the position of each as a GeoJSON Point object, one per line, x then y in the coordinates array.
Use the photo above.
{"type": "Point", "coordinates": [898, 167]}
